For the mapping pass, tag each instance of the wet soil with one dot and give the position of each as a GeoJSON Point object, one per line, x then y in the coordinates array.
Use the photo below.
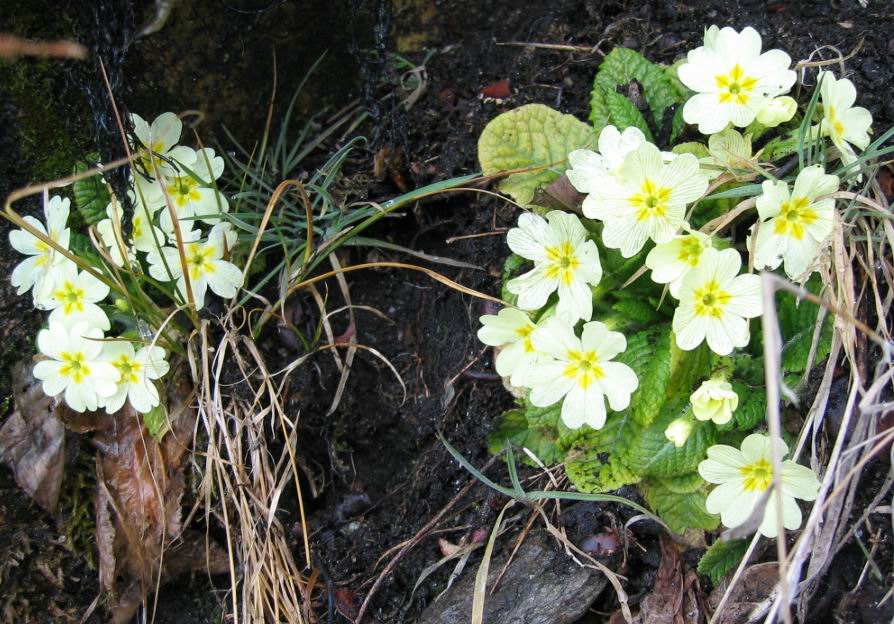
{"type": "Point", "coordinates": [382, 470]}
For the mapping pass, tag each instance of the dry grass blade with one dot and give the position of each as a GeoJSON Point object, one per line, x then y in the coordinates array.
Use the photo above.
{"type": "Point", "coordinates": [480, 590]}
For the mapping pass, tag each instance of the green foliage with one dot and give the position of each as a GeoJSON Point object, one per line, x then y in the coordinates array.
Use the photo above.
{"type": "Point", "coordinates": [156, 421]}
{"type": "Point", "coordinates": [648, 354]}
{"type": "Point", "coordinates": [722, 557]}
{"type": "Point", "coordinates": [621, 67]}
{"type": "Point", "coordinates": [594, 460]}
{"type": "Point", "coordinates": [532, 136]}
{"type": "Point", "coordinates": [752, 407]}
{"type": "Point", "coordinates": [91, 197]}
{"type": "Point", "coordinates": [651, 454]}
{"type": "Point", "coordinates": [797, 321]}
{"type": "Point", "coordinates": [511, 268]}
{"type": "Point", "coordinates": [534, 429]}
{"type": "Point", "coordinates": [638, 310]}
{"type": "Point", "coordinates": [680, 502]}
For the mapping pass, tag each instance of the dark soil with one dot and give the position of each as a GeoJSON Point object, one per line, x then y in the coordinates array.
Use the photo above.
{"type": "Point", "coordinates": [385, 472]}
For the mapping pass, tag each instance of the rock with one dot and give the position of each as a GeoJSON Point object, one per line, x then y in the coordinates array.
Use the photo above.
{"type": "Point", "coordinates": [541, 586]}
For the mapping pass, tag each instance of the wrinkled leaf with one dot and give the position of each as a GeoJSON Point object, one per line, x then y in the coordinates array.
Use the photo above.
{"type": "Point", "coordinates": [722, 557]}
{"type": "Point", "coordinates": [90, 196]}
{"type": "Point", "coordinates": [32, 440]}
{"type": "Point", "coordinates": [531, 136]}
{"type": "Point", "coordinates": [515, 428]}
{"type": "Point", "coordinates": [680, 511]}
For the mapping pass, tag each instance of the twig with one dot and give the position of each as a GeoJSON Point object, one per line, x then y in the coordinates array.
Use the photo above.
{"type": "Point", "coordinates": [562, 47]}
{"type": "Point", "coordinates": [12, 46]}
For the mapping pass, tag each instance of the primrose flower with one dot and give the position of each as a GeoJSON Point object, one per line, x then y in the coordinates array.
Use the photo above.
{"type": "Point", "coordinates": [205, 263]}
{"type": "Point", "coordinates": [847, 125]}
{"type": "Point", "coordinates": [34, 271]}
{"type": "Point", "coordinates": [679, 431]}
{"type": "Point", "coordinates": [579, 371]}
{"type": "Point", "coordinates": [158, 145]}
{"type": "Point", "coordinates": [144, 236]}
{"type": "Point", "coordinates": [136, 370]}
{"type": "Point", "coordinates": [732, 79]}
{"type": "Point", "coordinates": [794, 224]}
{"type": "Point", "coordinates": [714, 303]}
{"type": "Point", "coordinates": [73, 366]}
{"type": "Point", "coordinates": [195, 195]}
{"type": "Point", "coordinates": [511, 330]}
{"type": "Point", "coordinates": [714, 400]}
{"type": "Point", "coordinates": [73, 298]}
{"type": "Point", "coordinates": [743, 475]}
{"type": "Point", "coordinates": [671, 261]}
{"type": "Point", "coordinates": [777, 111]}
{"type": "Point", "coordinates": [728, 151]}
{"type": "Point", "coordinates": [647, 200]}
{"type": "Point", "coordinates": [564, 260]}
{"type": "Point", "coordinates": [588, 167]}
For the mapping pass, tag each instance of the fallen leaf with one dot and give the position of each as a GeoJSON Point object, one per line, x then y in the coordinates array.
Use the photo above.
{"type": "Point", "coordinates": [677, 596]}
{"type": "Point", "coordinates": [751, 597]}
{"type": "Point", "coordinates": [32, 440]}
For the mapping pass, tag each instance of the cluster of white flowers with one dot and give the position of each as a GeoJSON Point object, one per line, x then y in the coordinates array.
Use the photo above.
{"type": "Point", "coordinates": [172, 192]}
{"type": "Point", "coordinates": [549, 357]}
{"type": "Point", "coordinates": [642, 197]}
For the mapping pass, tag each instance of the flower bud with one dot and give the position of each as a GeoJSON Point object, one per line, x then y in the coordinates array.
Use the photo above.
{"type": "Point", "coordinates": [122, 305]}
{"type": "Point", "coordinates": [714, 400]}
{"type": "Point", "coordinates": [679, 431]}
{"type": "Point", "coordinates": [777, 111]}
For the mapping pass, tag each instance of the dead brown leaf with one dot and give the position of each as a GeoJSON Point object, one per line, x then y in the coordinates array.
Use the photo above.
{"type": "Point", "coordinates": [677, 597]}
{"type": "Point", "coordinates": [751, 597]}
{"type": "Point", "coordinates": [32, 440]}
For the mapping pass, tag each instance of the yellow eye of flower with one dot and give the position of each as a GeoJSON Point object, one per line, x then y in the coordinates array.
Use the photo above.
{"type": "Point", "coordinates": [758, 476]}
{"type": "Point", "coordinates": [793, 216]}
{"type": "Point", "coordinates": [199, 260]}
{"type": "Point", "coordinates": [651, 201]}
{"type": "Point", "coordinates": [584, 367]}
{"type": "Point", "coordinates": [563, 262]}
{"type": "Point", "coordinates": [75, 366]}
{"type": "Point", "coordinates": [735, 87]}
{"type": "Point", "coordinates": [690, 251]}
{"type": "Point", "coordinates": [710, 300]}
{"type": "Point", "coordinates": [71, 297]}
{"type": "Point", "coordinates": [128, 367]}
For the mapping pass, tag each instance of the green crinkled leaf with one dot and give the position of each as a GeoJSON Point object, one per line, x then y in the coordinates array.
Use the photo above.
{"type": "Point", "coordinates": [685, 483]}
{"type": "Point", "coordinates": [515, 428]}
{"type": "Point", "coordinates": [722, 557]}
{"type": "Point", "coordinates": [531, 136]}
{"type": "Point", "coordinates": [594, 457]}
{"type": "Point", "coordinates": [651, 454]}
{"type": "Point", "coordinates": [91, 197]}
{"type": "Point", "coordinates": [797, 321]}
{"type": "Point", "coordinates": [622, 113]}
{"type": "Point", "coordinates": [543, 416]}
{"type": "Point", "coordinates": [680, 511]}
{"type": "Point", "coordinates": [637, 310]}
{"type": "Point", "coordinates": [752, 406]}
{"type": "Point", "coordinates": [620, 67]}
{"type": "Point", "coordinates": [649, 355]}
{"type": "Point", "coordinates": [687, 369]}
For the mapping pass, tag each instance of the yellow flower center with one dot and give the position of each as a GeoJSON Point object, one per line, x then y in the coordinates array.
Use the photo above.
{"type": "Point", "coordinates": [710, 300]}
{"type": "Point", "coordinates": [758, 476]}
{"type": "Point", "coordinates": [71, 297]}
{"type": "Point", "coordinates": [199, 258]}
{"type": "Point", "coordinates": [563, 262]}
{"type": "Point", "coordinates": [735, 87]}
{"type": "Point", "coordinates": [584, 367]}
{"type": "Point", "coordinates": [74, 366]}
{"type": "Point", "coordinates": [651, 201]}
{"type": "Point", "coordinates": [690, 251]}
{"type": "Point", "coordinates": [793, 216]}
{"type": "Point", "coordinates": [128, 367]}
{"type": "Point", "coordinates": [185, 190]}
{"type": "Point", "coordinates": [834, 123]}
{"type": "Point", "coordinates": [525, 333]}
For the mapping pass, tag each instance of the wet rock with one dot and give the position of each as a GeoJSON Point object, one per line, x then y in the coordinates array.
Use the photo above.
{"type": "Point", "coordinates": [541, 586]}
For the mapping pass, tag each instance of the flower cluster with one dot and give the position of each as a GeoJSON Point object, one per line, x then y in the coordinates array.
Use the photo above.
{"type": "Point", "coordinates": [648, 208]}
{"type": "Point", "coordinates": [549, 357]}
{"type": "Point", "coordinates": [172, 194]}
